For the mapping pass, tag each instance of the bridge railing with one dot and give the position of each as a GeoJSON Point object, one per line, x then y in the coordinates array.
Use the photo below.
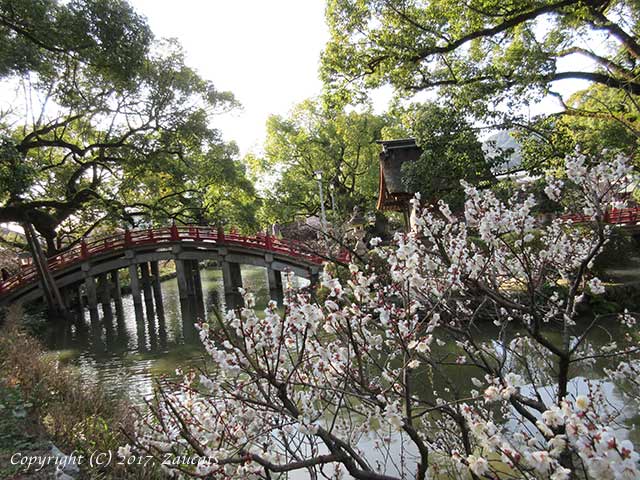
{"type": "Point", "coordinates": [614, 216]}
{"type": "Point", "coordinates": [163, 235]}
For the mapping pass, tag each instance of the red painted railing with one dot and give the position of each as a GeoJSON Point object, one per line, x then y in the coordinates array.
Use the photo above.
{"type": "Point", "coordinates": [131, 238]}
{"type": "Point", "coordinates": [615, 216]}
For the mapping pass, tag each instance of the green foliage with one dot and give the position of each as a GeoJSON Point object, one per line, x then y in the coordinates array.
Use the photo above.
{"type": "Point", "coordinates": [451, 152]}
{"type": "Point", "coordinates": [340, 144]}
{"type": "Point", "coordinates": [15, 175]}
{"type": "Point", "coordinates": [480, 54]}
{"type": "Point", "coordinates": [122, 133]}
{"type": "Point", "coordinates": [597, 119]}
{"type": "Point", "coordinates": [48, 37]}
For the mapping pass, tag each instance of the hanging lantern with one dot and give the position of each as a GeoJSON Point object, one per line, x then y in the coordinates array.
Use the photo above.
{"type": "Point", "coordinates": [393, 193]}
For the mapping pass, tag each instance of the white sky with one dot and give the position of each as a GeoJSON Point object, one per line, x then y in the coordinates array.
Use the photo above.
{"type": "Point", "coordinates": [266, 52]}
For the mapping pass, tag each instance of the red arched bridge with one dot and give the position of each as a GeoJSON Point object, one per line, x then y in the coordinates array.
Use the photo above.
{"type": "Point", "coordinates": [90, 270]}
{"type": "Point", "coordinates": [625, 217]}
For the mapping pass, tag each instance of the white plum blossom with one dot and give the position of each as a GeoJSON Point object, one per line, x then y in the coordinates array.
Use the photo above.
{"type": "Point", "coordinates": [582, 402]}
{"type": "Point", "coordinates": [478, 465]}
{"type": "Point", "coordinates": [553, 417]}
{"type": "Point", "coordinates": [595, 286]}
{"type": "Point", "coordinates": [491, 394]}
{"type": "Point", "coordinates": [332, 378]}
{"type": "Point", "coordinates": [561, 473]}
{"type": "Point", "coordinates": [413, 364]}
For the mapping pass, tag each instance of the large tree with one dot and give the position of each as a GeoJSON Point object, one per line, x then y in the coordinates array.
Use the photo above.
{"type": "Point", "coordinates": [339, 144]}
{"type": "Point", "coordinates": [499, 52]}
{"type": "Point", "coordinates": [108, 124]}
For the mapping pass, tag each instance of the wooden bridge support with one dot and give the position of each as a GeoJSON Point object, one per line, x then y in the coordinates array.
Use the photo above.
{"type": "Point", "coordinates": [157, 289]}
{"type": "Point", "coordinates": [148, 302]}
{"type": "Point", "coordinates": [232, 278]}
{"type": "Point", "coordinates": [66, 294]}
{"type": "Point", "coordinates": [92, 297]}
{"type": "Point", "coordinates": [145, 278]}
{"type": "Point", "coordinates": [104, 295]}
{"type": "Point", "coordinates": [197, 285]}
{"type": "Point", "coordinates": [190, 290]}
{"type": "Point", "coordinates": [274, 280]}
{"type": "Point", "coordinates": [116, 293]}
{"type": "Point", "coordinates": [157, 296]}
{"type": "Point", "coordinates": [134, 283]}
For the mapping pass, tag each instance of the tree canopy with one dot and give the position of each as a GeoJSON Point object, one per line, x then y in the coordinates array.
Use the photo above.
{"type": "Point", "coordinates": [112, 127]}
{"type": "Point", "coordinates": [481, 53]}
{"type": "Point", "coordinates": [339, 144]}
{"type": "Point", "coordinates": [49, 36]}
{"type": "Point", "coordinates": [451, 151]}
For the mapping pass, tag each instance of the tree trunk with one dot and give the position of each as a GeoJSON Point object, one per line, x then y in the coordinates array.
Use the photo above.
{"type": "Point", "coordinates": [52, 295]}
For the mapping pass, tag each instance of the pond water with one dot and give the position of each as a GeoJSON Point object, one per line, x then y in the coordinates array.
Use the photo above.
{"type": "Point", "coordinates": [127, 361]}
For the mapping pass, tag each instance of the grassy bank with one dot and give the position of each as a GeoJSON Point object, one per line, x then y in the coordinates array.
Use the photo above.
{"type": "Point", "coordinates": [47, 401]}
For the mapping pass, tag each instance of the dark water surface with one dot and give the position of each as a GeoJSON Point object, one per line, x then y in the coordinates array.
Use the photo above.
{"type": "Point", "coordinates": [126, 360]}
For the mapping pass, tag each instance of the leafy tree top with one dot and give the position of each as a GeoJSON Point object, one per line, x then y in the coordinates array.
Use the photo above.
{"type": "Point", "coordinates": [116, 127]}
{"type": "Point", "coordinates": [502, 52]}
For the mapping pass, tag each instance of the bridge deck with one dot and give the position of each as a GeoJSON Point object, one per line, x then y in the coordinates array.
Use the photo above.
{"type": "Point", "coordinates": [158, 237]}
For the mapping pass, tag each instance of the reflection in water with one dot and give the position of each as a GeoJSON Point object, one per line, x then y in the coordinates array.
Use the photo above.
{"type": "Point", "coordinates": [131, 348]}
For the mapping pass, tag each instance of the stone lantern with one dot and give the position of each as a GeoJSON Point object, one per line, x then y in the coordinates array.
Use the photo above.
{"type": "Point", "coordinates": [357, 225]}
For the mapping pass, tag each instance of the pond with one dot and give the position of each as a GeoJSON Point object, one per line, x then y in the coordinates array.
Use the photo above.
{"type": "Point", "coordinates": [126, 361]}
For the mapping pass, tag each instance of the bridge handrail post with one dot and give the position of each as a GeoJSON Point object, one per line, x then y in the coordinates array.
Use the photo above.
{"type": "Point", "coordinates": [221, 234]}
{"type": "Point", "coordinates": [127, 237]}
{"type": "Point", "coordinates": [150, 233]}
{"type": "Point", "coordinates": [84, 251]}
{"type": "Point", "coordinates": [268, 241]}
{"type": "Point", "coordinates": [175, 233]}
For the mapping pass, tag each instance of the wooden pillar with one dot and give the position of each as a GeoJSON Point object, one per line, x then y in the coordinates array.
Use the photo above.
{"type": "Point", "coordinates": [116, 289]}
{"type": "Point", "coordinates": [232, 278]}
{"type": "Point", "coordinates": [147, 289]}
{"type": "Point", "coordinates": [67, 299]}
{"type": "Point", "coordinates": [157, 289]}
{"type": "Point", "coordinates": [92, 301]}
{"type": "Point", "coordinates": [134, 283]}
{"type": "Point", "coordinates": [104, 295]}
{"type": "Point", "coordinates": [116, 294]}
{"type": "Point", "coordinates": [196, 287]}
{"type": "Point", "coordinates": [187, 308]}
{"type": "Point", "coordinates": [81, 303]}
{"type": "Point", "coordinates": [274, 280]}
{"type": "Point", "coordinates": [148, 302]}
{"type": "Point", "coordinates": [181, 276]}
{"type": "Point", "coordinates": [157, 295]}
{"type": "Point", "coordinates": [104, 290]}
